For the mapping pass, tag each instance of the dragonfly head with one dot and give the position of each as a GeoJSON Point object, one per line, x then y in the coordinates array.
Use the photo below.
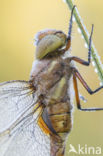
{"type": "Point", "coordinates": [49, 41]}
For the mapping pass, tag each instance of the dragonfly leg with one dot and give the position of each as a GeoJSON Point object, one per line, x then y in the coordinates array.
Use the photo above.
{"type": "Point", "coordinates": [83, 62]}
{"type": "Point", "coordinates": [76, 75]}
{"type": "Point", "coordinates": [70, 30]}
{"type": "Point", "coordinates": [70, 24]}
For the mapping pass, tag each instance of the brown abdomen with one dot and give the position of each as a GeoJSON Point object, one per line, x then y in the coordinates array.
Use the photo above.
{"type": "Point", "coordinates": [60, 114]}
{"type": "Point", "coordinates": [61, 120]}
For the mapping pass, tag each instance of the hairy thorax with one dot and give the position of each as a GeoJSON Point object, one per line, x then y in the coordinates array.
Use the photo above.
{"type": "Point", "coordinates": [52, 78]}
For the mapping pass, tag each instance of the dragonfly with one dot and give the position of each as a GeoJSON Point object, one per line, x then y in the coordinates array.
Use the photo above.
{"type": "Point", "coordinates": [36, 115]}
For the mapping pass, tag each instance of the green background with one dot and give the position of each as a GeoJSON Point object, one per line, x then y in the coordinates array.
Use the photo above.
{"type": "Point", "coordinates": [19, 22]}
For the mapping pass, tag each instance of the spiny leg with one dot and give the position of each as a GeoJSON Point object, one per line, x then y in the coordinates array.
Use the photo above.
{"type": "Point", "coordinates": [76, 75]}
{"type": "Point", "coordinates": [70, 30]}
{"type": "Point", "coordinates": [76, 92]}
{"type": "Point", "coordinates": [70, 24]}
{"type": "Point", "coordinates": [83, 62]}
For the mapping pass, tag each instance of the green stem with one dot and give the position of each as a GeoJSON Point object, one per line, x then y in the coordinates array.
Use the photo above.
{"type": "Point", "coordinates": [95, 56]}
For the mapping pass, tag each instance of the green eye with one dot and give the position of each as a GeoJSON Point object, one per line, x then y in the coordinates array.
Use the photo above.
{"type": "Point", "coordinates": [48, 44]}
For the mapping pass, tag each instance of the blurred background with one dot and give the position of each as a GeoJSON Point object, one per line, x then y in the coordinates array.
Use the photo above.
{"type": "Point", "coordinates": [21, 20]}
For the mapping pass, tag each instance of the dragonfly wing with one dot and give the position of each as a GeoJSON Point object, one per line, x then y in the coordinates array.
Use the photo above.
{"type": "Point", "coordinates": [29, 140]}
{"type": "Point", "coordinates": [20, 132]}
{"type": "Point", "coordinates": [16, 98]}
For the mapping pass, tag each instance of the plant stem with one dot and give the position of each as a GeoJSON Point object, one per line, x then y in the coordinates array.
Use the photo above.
{"type": "Point", "coordinates": [95, 56]}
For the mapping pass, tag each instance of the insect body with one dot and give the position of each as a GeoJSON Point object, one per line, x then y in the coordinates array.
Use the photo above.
{"type": "Point", "coordinates": [53, 84]}
{"type": "Point", "coordinates": [36, 115]}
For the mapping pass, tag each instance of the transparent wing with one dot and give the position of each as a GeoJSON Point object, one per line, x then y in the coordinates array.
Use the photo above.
{"type": "Point", "coordinates": [28, 140]}
{"type": "Point", "coordinates": [19, 131]}
{"type": "Point", "coordinates": [16, 101]}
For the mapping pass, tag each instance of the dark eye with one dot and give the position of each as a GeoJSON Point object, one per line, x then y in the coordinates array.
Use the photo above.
{"type": "Point", "coordinates": [58, 32]}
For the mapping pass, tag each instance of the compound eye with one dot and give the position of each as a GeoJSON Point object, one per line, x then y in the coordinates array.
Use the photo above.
{"type": "Point", "coordinates": [48, 44]}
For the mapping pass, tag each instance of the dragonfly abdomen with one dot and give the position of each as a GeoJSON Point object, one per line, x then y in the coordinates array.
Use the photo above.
{"type": "Point", "coordinates": [61, 119]}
